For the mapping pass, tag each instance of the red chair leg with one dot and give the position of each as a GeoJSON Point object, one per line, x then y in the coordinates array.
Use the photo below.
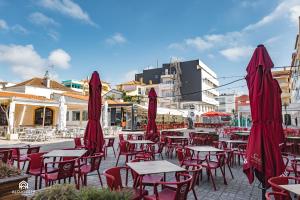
{"type": "Point", "coordinates": [212, 179]}
{"type": "Point", "coordinates": [100, 178]}
{"type": "Point", "coordinates": [118, 160]}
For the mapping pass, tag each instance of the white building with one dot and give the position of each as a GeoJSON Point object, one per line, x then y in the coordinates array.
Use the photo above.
{"type": "Point", "coordinates": [226, 102]}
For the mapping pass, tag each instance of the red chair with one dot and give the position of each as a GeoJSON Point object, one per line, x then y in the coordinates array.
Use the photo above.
{"type": "Point", "coordinates": [125, 151]}
{"type": "Point", "coordinates": [287, 159]}
{"type": "Point", "coordinates": [158, 151]}
{"type": "Point", "coordinates": [182, 188]}
{"type": "Point", "coordinates": [36, 167]}
{"type": "Point", "coordinates": [110, 143]}
{"type": "Point", "coordinates": [296, 167]}
{"type": "Point", "coordinates": [281, 180]}
{"type": "Point", "coordinates": [240, 152]}
{"type": "Point", "coordinates": [78, 143]}
{"type": "Point", "coordinates": [16, 156]}
{"type": "Point", "coordinates": [121, 137]}
{"type": "Point", "coordinates": [91, 164]}
{"type": "Point", "coordinates": [4, 155]}
{"type": "Point", "coordinates": [64, 170]}
{"type": "Point", "coordinates": [114, 182]}
{"type": "Point", "coordinates": [184, 161]}
{"type": "Point", "coordinates": [194, 171]}
{"type": "Point", "coordinates": [147, 180]}
{"type": "Point", "coordinates": [277, 196]}
{"type": "Point", "coordinates": [213, 162]}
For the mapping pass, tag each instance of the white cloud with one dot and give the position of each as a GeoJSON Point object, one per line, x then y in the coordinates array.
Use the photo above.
{"type": "Point", "coordinates": [198, 43]}
{"type": "Point", "coordinates": [53, 34]}
{"type": "Point", "coordinates": [3, 24]}
{"type": "Point", "coordinates": [59, 58]}
{"type": "Point", "coordinates": [287, 8]}
{"type": "Point", "coordinates": [68, 8]}
{"type": "Point", "coordinates": [209, 41]}
{"type": "Point", "coordinates": [237, 53]}
{"type": "Point", "coordinates": [130, 75]}
{"type": "Point", "coordinates": [25, 62]}
{"type": "Point", "coordinates": [41, 19]}
{"type": "Point", "coordinates": [229, 44]}
{"type": "Point", "coordinates": [117, 38]}
{"type": "Point", "coordinates": [19, 29]}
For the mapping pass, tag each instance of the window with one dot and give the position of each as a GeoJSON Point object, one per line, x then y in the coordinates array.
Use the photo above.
{"type": "Point", "coordinates": [3, 120]}
{"type": "Point", "coordinates": [75, 115]}
{"type": "Point", "coordinates": [39, 115]}
{"type": "Point", "coordinates": [67, 117]}
{"type": "Point", "coordinates": [150, 82]}
{"type": "Point", "coordinates": [85, 115]}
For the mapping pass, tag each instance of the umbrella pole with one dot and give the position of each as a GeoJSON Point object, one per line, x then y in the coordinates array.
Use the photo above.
{"type": "Point", "coordinates": [263, 191]}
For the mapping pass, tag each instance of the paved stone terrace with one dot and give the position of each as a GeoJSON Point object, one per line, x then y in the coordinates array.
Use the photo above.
{"type": "Point", "coordinates": [237, 188]}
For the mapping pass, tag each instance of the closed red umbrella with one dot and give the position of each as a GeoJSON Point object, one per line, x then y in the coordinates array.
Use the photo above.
{"type": "Point", "coordinates": [278, 132]}
{"type": "Point", "coordinates": [152, 109]}
{"type": "Point", "coordinates": [93, 136]}
{"type": "Point", "coordinates": [263, 155]}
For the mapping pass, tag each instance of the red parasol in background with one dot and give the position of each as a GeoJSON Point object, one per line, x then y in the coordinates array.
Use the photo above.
{"type": "Point", "coordinates": [93, 136]}
{"type": "Point", "coordinates": [152, 109]}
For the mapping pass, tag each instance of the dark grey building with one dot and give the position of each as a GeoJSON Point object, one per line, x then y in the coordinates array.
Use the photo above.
{"type": "Point", "coordinates": [190, 79]}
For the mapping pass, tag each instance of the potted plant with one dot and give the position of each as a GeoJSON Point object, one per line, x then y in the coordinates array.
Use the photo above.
{"type": "Point", "coordinates": [12, 182]}
{"type": "Point", "coordinates": [69, 192]}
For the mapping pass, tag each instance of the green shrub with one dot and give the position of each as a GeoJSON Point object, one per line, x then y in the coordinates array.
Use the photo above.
{"type": "Point", "coordinates": [62, 192]}
{"type": "Point", "coordinates": [92, 193]}
{"type": "Point", "coordinates": [8, 170]}
{"type": "Point", "coordinates": [69, 192]}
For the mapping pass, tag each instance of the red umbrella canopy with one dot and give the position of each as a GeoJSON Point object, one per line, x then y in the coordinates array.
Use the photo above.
{"type": "Point", "coordinates": [152, 108]}
{"type": "Point", "coordinates": [215, 114]}
{"type": "Point", "coordinates": [93, 136]}
{"type": "Point", "coordinates": [278, 132]}
{"type": "Point", "coordinates": [263, 154]}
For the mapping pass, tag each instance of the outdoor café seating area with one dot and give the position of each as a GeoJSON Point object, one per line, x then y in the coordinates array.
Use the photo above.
{"type": "Point", "coordinates": [183, 162]}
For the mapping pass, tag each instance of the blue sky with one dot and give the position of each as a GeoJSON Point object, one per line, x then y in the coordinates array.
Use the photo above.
{"type": "Point", "coordinates": [119, 38]}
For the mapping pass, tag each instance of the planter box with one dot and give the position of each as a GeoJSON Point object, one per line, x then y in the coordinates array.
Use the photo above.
{"type": "Point", "coordinates": [9, 187]}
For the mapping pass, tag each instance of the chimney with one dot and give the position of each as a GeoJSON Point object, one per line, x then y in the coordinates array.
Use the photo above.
{"type": "Point", "coordinates": [46, 80]}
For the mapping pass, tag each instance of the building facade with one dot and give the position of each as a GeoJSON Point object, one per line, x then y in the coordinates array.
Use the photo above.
{"type": "Point", "coordinates": [183, 85]}
{"type": "Point", "coordinates": [83, 86]}
{"type": "Point", "coordinates": [294, 107]}
{"type": "Point", "coordinates": [226, 103]}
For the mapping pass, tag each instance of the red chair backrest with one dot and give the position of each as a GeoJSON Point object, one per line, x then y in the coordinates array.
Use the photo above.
{"type": "Point", "coordinates": [110, 142]}
{"type": "Point", "coordinates": [36, 161]}
{"type": "Point", "coordinates": [160, 147]}
{"type": "Point", "coordinates": [31, 150]}
{"type": "Point", "coordinates": [95, 162]}
{"type": "Point", "coordinates": [276, 181]}
{"type": "Point", "coordinates": [4, 154]}
{"type": "Point", "coordinates": [277, 195]}
{"type": "Point", "coordinates": [180, 155]}
{"type": "Point", "coordinates": [121, 137]}
{"type": "Point", "coordinates": [183, 187]}
{"type": "Point", "coordinates": [16, 152]}
{"type": "Point", "coordinates": [77, 142]}
{"type": "Point", "coordinates": [221, 158]}
{"type": "Point", "coordinates": [66, 169]}
{"type": "Point", "coordinates": [296, 167]}
{"type": "Point", "coordinates": [113, 178]}
{"type": "Point", "coordinates": [123, 146]}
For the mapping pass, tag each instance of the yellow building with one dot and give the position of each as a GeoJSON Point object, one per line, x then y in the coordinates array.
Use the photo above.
{"type": "Point", "coordinates": [132, 88]}
{"type": "Point", "coordinates": [283, 77]}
